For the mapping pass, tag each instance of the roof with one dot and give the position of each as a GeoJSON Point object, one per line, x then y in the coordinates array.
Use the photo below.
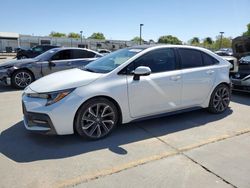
{"type": "Point", "coordinates": [9, 35]}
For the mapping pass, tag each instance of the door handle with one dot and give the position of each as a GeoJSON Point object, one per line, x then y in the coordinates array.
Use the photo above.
{"type": "Point", "coordinates": [175, 78]}
{"type": "Point", "coordinates": [210, 72]}
{"type": "Point", "coordinates": [69, 64]}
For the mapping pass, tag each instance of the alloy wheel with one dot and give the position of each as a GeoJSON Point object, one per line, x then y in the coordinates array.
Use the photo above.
{"type": "Point", "coordinates": [221, 99]}
{"type": "Point", "coordinates": [23, 79]}
{"type": "Point", "coordinates": [98, 120]}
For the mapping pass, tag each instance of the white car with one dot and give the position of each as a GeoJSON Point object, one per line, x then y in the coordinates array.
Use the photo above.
{"type": "Point", "coordinates": [127, 85]}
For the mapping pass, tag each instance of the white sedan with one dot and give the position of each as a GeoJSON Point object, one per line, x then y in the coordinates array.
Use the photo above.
{"type": "Point", "coordinates": [127, 85]}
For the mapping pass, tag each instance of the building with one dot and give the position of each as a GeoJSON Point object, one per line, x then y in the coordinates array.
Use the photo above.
{"type": "Point", "coordinates": [11, 41]}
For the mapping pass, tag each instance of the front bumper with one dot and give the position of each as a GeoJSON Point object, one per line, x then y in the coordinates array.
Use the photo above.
{"type": "Point", "coordinates": [241, 84]}
{"type": "Point", "coordinates": [38, 122]}
{"type": "Point", "coordinates": [57, 118]}
{"type": "Point", "coordinates": [4, 78]}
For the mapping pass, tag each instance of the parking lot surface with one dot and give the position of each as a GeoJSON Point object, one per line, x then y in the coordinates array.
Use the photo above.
{"type": "Point", "coordinates": [194, 149]}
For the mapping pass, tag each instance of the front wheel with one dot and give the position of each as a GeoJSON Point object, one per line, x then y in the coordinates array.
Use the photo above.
{"type": "Point", "coordinates": [96, 118]}
{"type": "Point", "coordinates": [21, 79]}
{"type": "Point", "coordinates": [220, 99]}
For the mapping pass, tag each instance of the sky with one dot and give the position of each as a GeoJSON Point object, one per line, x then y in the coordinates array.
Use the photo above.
{"type": "Point", "coordinates": [120, 20]}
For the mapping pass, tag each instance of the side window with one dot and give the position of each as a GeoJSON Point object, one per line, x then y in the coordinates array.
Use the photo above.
{"type": "Point", "coordinates": [208, 60]}
{"type": "Point", "coordinates": [62, 55]}
{"type": "Point", "coordinates": [159, 60]}
{"type": "Point", "coordinates": [90, 54]}
{"type": "Point", "coordinates": [38, 49]}
{"type": "Point", "coordinates": [80, 54]}
{"type": "Point", "coordinates": [190, 58]}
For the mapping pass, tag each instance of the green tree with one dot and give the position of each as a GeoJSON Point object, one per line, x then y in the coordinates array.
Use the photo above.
{"type": "Point", "coordinates": [74, 35]}
{"type": "Point", "coordinates": [137, 40]}
{"type": "Point", "coordinates": [98, 36]}
{"type": "Point", "coordinates": [57, 34]}
{"type": "Point", "coordinates": [225, 42]}
{"type": "Point", "coordinates": [169, 39]}
{"type": "Point", "coordinates": [195, 40]}
{"type": "Point", "coordinates": [208, 43]}
{"type": "Point", "coordinates": [208, 40]}
{"type": "Point", "coordinates": [247, 33]}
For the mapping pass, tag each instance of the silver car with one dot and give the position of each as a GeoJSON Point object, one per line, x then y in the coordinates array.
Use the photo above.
{"type": "Point", "coordinates": [20, 73]}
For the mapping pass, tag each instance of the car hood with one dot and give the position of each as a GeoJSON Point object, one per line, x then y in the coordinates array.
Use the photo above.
{"type": "Point", "coordinates": [64, 80]}
{"type": "Point", "coordinates": [17, 63]}
{"type": "Point", "coordinates": [240, 46]}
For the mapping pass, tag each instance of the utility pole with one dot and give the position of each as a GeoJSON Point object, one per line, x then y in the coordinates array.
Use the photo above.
{"type": "Point", "coordinates": [141, 32]}
{"type": "Point", "coordinates": [221, 36]}
{"type": "Point", "coordinates": [81, 37]}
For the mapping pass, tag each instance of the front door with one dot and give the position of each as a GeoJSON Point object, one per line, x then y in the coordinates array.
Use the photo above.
{"type": "Point", "coordinates": [158, 92]}
{"type": "Point", "coordinates": [62, 60]}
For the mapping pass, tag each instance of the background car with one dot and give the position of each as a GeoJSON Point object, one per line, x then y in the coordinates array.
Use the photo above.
{"type": "Point", "coordinates": [104, 51]}
{"type": "Point", "coordinates": [227, 54]}
{"type": "Point", "coordinates": [241, 79]}
{"type": "Point", "coordinates": [224, 52]}
{"type": "Point", "coordinates": [33, 52]}
{"type": "Point", "coordinates": [20, 73]}
{"type": "Point", "coordinates": [124, 86]}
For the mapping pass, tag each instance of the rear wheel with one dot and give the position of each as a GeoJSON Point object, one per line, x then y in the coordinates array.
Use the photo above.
{"type": "Point", "coordinates": [220, 99]}
{"type": "Point", "coordinates": [96, 118]}
{"type": "Point", "coordinates": [21, 79]}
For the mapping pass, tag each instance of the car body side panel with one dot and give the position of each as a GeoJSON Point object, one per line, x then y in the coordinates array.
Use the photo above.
{"type": "Point", "coordinates": [197, 83]}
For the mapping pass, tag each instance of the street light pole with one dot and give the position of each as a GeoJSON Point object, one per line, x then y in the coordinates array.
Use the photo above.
{"type": "Point", "coordinates": [140, 32]}
{"type": "Point", "coordinates": [81, 37]}
{"type": "Point", "coordinates": [221, 36]}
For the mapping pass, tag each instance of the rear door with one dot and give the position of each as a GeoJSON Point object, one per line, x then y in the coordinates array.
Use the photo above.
{"type": "Point", "coordinates": [198, 73]}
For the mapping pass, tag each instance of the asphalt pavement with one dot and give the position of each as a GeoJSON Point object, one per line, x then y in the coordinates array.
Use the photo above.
{"type": "Point", "coordinates": [194, 149]}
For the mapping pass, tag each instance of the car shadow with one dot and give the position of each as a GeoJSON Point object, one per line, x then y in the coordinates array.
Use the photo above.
{"type": "Point", "coordinates": [241, 97]}
{"type": "Point", "coordinates": [4, 88]}
{"type": "Point", "coordinates": [19, 145]}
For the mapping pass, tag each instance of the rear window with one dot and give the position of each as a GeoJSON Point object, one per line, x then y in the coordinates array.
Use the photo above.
{"type": "Point", "coordinates": [208, 60]}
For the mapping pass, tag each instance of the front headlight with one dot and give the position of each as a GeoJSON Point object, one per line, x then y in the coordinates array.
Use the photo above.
{"type": "Point", "coordinates": [52, 97]}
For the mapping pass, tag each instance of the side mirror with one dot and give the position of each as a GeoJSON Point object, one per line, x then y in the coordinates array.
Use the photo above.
{"type": "Point", "coordinates": [141, 71]}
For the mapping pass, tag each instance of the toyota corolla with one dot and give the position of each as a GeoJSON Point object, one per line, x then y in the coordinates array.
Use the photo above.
{"type": "Point", "coordinates": [124, 86]}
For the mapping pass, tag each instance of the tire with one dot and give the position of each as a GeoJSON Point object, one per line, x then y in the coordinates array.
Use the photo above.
{"type": "Point", "coordinates": [96, 118]}
{"type": "Point", "coordinates": [21, 79]}
{"type": "Point", "coordinates": [220, 99]}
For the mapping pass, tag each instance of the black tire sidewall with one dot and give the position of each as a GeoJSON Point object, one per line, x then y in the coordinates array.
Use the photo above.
{"type": "Point", "coordinates": [211, 106]}
{"type": "Point", "coordinates": [84, 107]}
{"type": "Point", "coordinates": [13, 83]}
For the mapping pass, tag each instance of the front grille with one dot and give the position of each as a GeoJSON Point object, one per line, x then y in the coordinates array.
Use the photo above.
{"type": "Point", "coordinates": [24, 109]}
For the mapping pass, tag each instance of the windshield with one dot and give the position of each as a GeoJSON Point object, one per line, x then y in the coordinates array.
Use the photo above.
{"type": "Point", "coordinates": [112, 60]}
{"type": "Point", "coordinates": [46, 55]}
